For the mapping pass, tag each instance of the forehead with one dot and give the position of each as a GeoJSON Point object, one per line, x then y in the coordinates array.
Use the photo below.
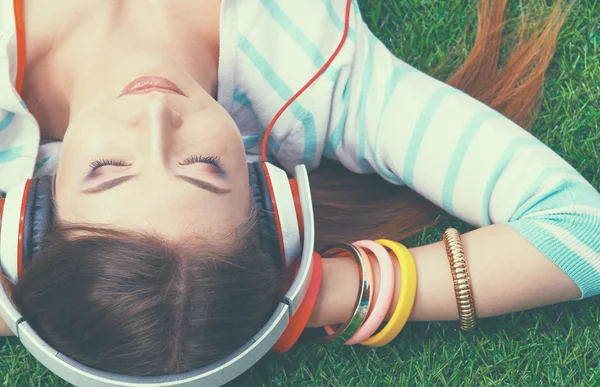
{"type": "Point", "coordinates": [171, 210]}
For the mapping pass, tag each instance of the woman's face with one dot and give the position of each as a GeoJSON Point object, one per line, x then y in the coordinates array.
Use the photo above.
{"type": "Point", "coordinates": [159, 154]}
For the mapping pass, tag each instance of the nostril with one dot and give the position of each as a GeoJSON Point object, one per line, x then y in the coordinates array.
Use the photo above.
{"type": "Point", "coordinates": [177, 120]}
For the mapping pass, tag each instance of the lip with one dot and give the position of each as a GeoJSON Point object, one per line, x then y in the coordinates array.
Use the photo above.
{"type": "Point", "coordinates": [146, 85]}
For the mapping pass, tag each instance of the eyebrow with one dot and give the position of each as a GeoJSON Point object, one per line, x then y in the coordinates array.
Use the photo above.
{"type": "Point", "coordinates": [204, 185]}
{"type": "Point", "coordinates": [105, 186]}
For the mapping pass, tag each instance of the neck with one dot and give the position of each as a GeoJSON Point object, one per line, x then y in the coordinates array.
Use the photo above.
{"type": "Point", "coordinates": [115, 43]}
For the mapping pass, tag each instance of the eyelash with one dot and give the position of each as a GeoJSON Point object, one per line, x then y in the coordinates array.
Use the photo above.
{"type": "Point", "coordinates": [213, 160]}
{"type": "Point", "coordinates": [96, 164]}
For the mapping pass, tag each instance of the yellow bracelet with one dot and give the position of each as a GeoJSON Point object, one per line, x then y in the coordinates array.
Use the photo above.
{"type": "Point", "coordinates": [408, 291]}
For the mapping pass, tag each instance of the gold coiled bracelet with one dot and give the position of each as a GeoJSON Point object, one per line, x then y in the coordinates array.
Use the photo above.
{"type": "Point", "coordinates": [461, 279]}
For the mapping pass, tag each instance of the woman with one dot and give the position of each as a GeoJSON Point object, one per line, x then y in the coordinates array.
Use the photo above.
{"type": "Point", "coordinates": [155, 264]}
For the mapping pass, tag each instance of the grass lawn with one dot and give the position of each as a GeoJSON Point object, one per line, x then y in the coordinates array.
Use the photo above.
{"type": "Point", "coordinates": [553, 346]}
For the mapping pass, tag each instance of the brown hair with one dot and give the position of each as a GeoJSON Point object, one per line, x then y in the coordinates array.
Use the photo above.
{"type": "Point", "coordinates": [135, 304]}
{"type": "Point", "coordinates": [140, 305]}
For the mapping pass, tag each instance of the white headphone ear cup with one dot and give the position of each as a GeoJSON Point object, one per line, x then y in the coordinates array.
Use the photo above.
{"type": "Point", "coordinates": [9, 233]}
{"type": "Point", "coordinates": [285, 212]}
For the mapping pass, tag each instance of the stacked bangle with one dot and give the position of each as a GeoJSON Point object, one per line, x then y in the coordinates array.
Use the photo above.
{"type": "Point", "coordinates": [365, 320]}
{"type": "Point", "coordinates": [461, 279]}
{"type": "Point", "coordinates": [330, 329]}
{"type": "Point", "coordinates": [349, 328]}
{"type": "Point", "coordinates": [384, 296]}
{"type": "Point", "coordinates": [406, 299]}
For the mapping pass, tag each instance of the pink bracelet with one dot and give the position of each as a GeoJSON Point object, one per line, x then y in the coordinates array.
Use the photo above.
{"type": "Point", "coordinates": [369, 278]}
{"type": "Point", "coordinates": [384, 297]}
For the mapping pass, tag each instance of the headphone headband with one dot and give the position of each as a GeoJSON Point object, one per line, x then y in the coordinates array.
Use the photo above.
{"type": "Point", "coordinates": [214, 374]}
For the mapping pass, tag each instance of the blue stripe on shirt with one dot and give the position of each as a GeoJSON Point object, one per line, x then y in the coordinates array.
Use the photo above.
{"type": "Point", "coordinates": [584, 194]}
{"type": "Point", "coordinates": [11, 154]}
{"type": "Point", "coordinates": [510, 151]}
{"type": "Point", "coordinates": [585, 276]}
{"type": "Point", "coordinates": [336, 135]}
{"type": "Point", "coordinates": [40, 164]}
{"type": "Point", "coordinates": [564, 194]}
{"type": "Point", "coordinates": [421, 127]}
{"type": "Point", "coordinates": [299, 37]}
{"type": "Point", "coordinates": [251, 141]}
{"type": "Point", "coordinates": [460, 151]}
{"type": "Point", "coordinates": [283, 90]}
{"type": "Point", "coordinates": [294, 31]}
{"type": "Point", "coordinates": [241, 98]}
{"type": "Point", "coordinates": [583, 227]}
{"type": "Point", "coordinates": [367, 76]}
{"type": "Point", "coordinates": [400, 71]}
{"type": "Point", "coordinates": [335, 19]}
{"type": "Point", "coordinates": [7, 120]}
{"type": "Point", "coordinates": [528, 201]}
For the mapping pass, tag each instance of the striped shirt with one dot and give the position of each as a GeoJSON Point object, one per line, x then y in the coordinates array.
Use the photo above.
{"type": "Point", "coordinates": [373, 113]}
{"type": "Point", "coordinates": [21, 154]}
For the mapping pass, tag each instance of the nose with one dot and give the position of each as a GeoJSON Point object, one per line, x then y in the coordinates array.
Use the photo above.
{"type": "Point", "coordinates": [162, 123]}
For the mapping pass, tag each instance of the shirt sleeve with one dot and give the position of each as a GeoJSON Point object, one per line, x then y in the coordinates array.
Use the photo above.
{"type": "Point", "coordinates": [19, 131]}
{"type": "Point", "coordinates": [465, 157]}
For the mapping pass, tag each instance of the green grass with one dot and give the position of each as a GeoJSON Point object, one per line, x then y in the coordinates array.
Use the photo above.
{"type": "Point", "coordinates": [553, 346]}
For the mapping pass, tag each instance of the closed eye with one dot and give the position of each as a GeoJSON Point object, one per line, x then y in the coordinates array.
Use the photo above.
{"type": "Point", "coordinates": [96, 164]}
{"type": "Point", "coordinates": [213, 161]}
{"type": "Point", "coordinates": [193, 159]}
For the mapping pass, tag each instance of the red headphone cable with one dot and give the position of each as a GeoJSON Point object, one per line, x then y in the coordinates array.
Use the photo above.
{"type": "Point", "coordinates": [263, 149]}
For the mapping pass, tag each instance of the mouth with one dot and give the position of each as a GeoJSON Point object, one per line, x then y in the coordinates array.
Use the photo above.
{"type": "Point", "coordinates": [146, 85]}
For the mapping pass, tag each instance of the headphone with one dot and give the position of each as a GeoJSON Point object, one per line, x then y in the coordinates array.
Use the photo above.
{"type": "Point", "coordinates": [283, 204]}
{"type": "Point", "coordinates": [286, 220]}
{"type": "Point", "coordinates": [27, 214]}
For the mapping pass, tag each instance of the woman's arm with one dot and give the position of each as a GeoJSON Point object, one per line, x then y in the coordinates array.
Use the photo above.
{"type": "Point", "coordinates": [508, 274]}
{"type": "Point", "coordinates": [4, 331]}
{"type": "Point", "coordinates": [478, 166]}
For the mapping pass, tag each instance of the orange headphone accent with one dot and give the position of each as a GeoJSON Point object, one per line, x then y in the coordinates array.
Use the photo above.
{"type": "Point", "coordinates": [21, 49]}
{"type": "Point", "coordinates": [22, 226]}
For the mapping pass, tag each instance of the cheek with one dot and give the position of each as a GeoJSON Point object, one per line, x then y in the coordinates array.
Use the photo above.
{"type": "Point", "coordinates": [70, 171]}
{"type": "Point", "coordinates": [72, 157]}
{"type": "Point", "coordinates": [69, 155]}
